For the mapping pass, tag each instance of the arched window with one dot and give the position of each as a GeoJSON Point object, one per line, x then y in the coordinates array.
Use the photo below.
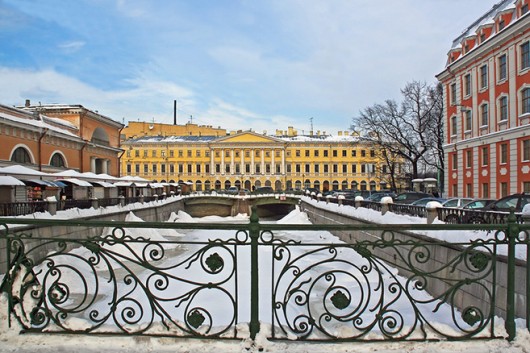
{"type": "Point", "coordinates": [57, 161]}
{"type": "Point", "coordinates": [100, 137]}
{"type": "Point", "coordinates": [21, 155]}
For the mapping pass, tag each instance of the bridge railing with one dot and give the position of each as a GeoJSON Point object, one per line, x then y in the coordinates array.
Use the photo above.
{"type": "Point", "coordinates": [448, 215]}
{"type": "Point", "coordinates": [236, 276]}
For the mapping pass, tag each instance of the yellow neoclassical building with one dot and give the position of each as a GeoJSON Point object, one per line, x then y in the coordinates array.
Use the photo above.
{"type": "Point", "coordinates": [247, 159]}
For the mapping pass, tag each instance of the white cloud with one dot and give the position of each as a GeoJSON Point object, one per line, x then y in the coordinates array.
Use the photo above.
{"type": "Point", "coordinates": [71, 47]}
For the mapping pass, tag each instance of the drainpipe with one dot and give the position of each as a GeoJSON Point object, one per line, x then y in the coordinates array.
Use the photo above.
{"type": "Point", "coordinates": [40, 147]}
{"type": "Point", "coordinates": [119, 163]}
{"type": "Point", "coordinates": [81, 157]}
{"type": "Point", "coordinates": [122, 152]}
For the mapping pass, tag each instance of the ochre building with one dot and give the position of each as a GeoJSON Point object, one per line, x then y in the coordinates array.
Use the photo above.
{"type": "Point", "coordinates": [247, 159]}
{"type": "Point", "coordinates": [487, 105]}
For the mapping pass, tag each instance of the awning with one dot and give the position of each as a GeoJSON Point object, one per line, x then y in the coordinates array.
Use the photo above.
{"type": "Point", "coordinates": [103, 184]}
{"type": "Point", "coordinates": [11, 181]}
{"type": "Point", "coordinates": [77, 182]}
{"type": "Point", "coordinates": [123, 183]}
{"type": "Point", "coordinates": [59, 183]}
{"type": "Point", "coordinates": [45, 183]}
{"type": "Point", "coordinates": [38, 182]}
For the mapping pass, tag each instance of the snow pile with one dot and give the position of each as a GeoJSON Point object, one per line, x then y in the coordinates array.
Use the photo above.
{"type": "Point", "coordinates": [450, 236]}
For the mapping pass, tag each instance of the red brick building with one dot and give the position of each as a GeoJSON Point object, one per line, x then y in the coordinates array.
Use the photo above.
{"type": "Point", "coordinates": [487, 105]}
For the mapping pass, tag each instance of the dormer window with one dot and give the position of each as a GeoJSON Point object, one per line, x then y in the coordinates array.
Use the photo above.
{"type": "Point", "coordinates": [501, 25]}
{"type": "Point", "coordinates": [524, 9]}
{"type": "Point", "coordinates": [466, 48]}
{"type": "Point", "coordinates": [482, 37]}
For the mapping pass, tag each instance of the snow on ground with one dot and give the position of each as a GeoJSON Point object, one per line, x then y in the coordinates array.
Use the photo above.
{"type": "Point", "coordinates": [450, 236]}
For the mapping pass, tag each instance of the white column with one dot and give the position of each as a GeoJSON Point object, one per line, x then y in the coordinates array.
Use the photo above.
{"type": "Point", "coordinates": [283, 162]}
{"type": "Point", "coordinates": [212, 163]}
{"type": "Point", "coordinates": [222, 161]}
{"type": "Point", "coordinates": [252, 168]}
{"type": "Point", "coordinates": [232, 160]}
{"type": "Point", "coordinates": [93, 164]}
{"type": "Point", "coordinates": [242, 161]}
{"type": "Point", "coordinates": [105, 166]}
{"type": "Point", "coordinates": [273, 164]}
{"type": "Point", "coordinates": [262, 161]}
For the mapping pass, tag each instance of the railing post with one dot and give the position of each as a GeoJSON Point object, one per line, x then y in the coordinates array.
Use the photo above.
{"type": "Point", "coordinates": [512, 233]}
{"type": "Point", "coordinates": [52, 205]}
{"type": "Point", "coordinates": [254, 230]}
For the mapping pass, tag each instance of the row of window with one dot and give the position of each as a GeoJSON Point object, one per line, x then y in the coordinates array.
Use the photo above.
{"type": "Point", "coordinates": [236, 169]}
{"type": "Point", "coordinates": [502, 74]}
{"type": "Point", "coordinates": [485, 190]}
{"type": "Point", "coordinates": [485, 155]}
{"type": "Point", "coordinates": [257, 153]}
{"type": "Point", "coordinates": [484, 112]}
{"type": "Point", "coordinates": [22, 156]}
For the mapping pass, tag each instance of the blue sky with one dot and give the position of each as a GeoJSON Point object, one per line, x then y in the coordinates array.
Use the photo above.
{"type": "Point", "coordinates": [238, 64]}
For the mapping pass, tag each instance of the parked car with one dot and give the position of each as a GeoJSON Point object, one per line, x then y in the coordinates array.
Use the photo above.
{"type": "Point", "coordinates": [478, 204]}
{"type": "Point", "coordinates": [456, 202]}
{"type": "Point", "coordinates": [233, 190]}
{"type": "Point", "coordinates": [264, 190]}
{"type": "Point", "coordinates": [515, 202]}
{"type": "Point", "coordinates": [378, 196]}
{"type": "Point", "coordinates": [426, 200]}
{"type": "Point", "coordinates": [410, 196]}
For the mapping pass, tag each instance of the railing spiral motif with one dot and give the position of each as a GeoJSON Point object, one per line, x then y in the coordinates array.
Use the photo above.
{"type": "Point", "coordinates": [117, 283]}
{"type": "Point", "coordinates": [347, 292]}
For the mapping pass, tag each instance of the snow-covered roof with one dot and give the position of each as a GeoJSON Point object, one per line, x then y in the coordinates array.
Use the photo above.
{"type": "Point", "coordinates": [486, 19]}
{"type": "Point", "coordinates": [321, 138]}
{"type": "Point", "coordinates": [34, 122]}
{"type": "Point", "coordinates": [302, 138]}
{"type": "Point", "coordinates": [164, 139]}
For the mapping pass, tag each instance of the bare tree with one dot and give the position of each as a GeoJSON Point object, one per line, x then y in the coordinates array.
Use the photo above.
{"type": "Point", "coordinates": [409, 129]}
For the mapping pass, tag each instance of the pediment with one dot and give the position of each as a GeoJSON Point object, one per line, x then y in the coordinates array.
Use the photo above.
{"type": "Point", "coordinates": [248, 137]}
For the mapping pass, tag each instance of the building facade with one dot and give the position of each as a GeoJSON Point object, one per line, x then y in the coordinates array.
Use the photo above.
{"type": "Point", "coordinates": [486, 85]}
{"type": "Point", "coordinates": [250, 160]}
{"type": "Point", "coordinates": [37, 141]}
{"type": "Point", "coordinates": [100, 150]}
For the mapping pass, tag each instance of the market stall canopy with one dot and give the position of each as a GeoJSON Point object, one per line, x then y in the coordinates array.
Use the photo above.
{"type": "Point", "coordinates": [103, 184]}
{"type": "Point", "coordinates": [123, 183]}
{"type": "Point", "coordinates": [76, 182]}
{"type": "Point", "coordinates": [70, 173]}
{"type": "Point", "coordinates": [21, 170]}
{"type": "Point", "coordinates": [45, 183]}
{"type": "Point", "coordinates": [7, 180]}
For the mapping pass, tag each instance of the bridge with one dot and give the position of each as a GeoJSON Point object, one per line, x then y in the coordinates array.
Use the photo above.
{"type": "Point", "coordinates": [270, 205]}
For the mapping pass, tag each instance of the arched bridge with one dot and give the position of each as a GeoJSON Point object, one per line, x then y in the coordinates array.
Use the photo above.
{"type": "Point", "coordinates": [229, 205]}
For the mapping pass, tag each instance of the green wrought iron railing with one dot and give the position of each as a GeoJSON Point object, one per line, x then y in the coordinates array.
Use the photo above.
{"type": "Point", "coordinates": [241, 277]}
